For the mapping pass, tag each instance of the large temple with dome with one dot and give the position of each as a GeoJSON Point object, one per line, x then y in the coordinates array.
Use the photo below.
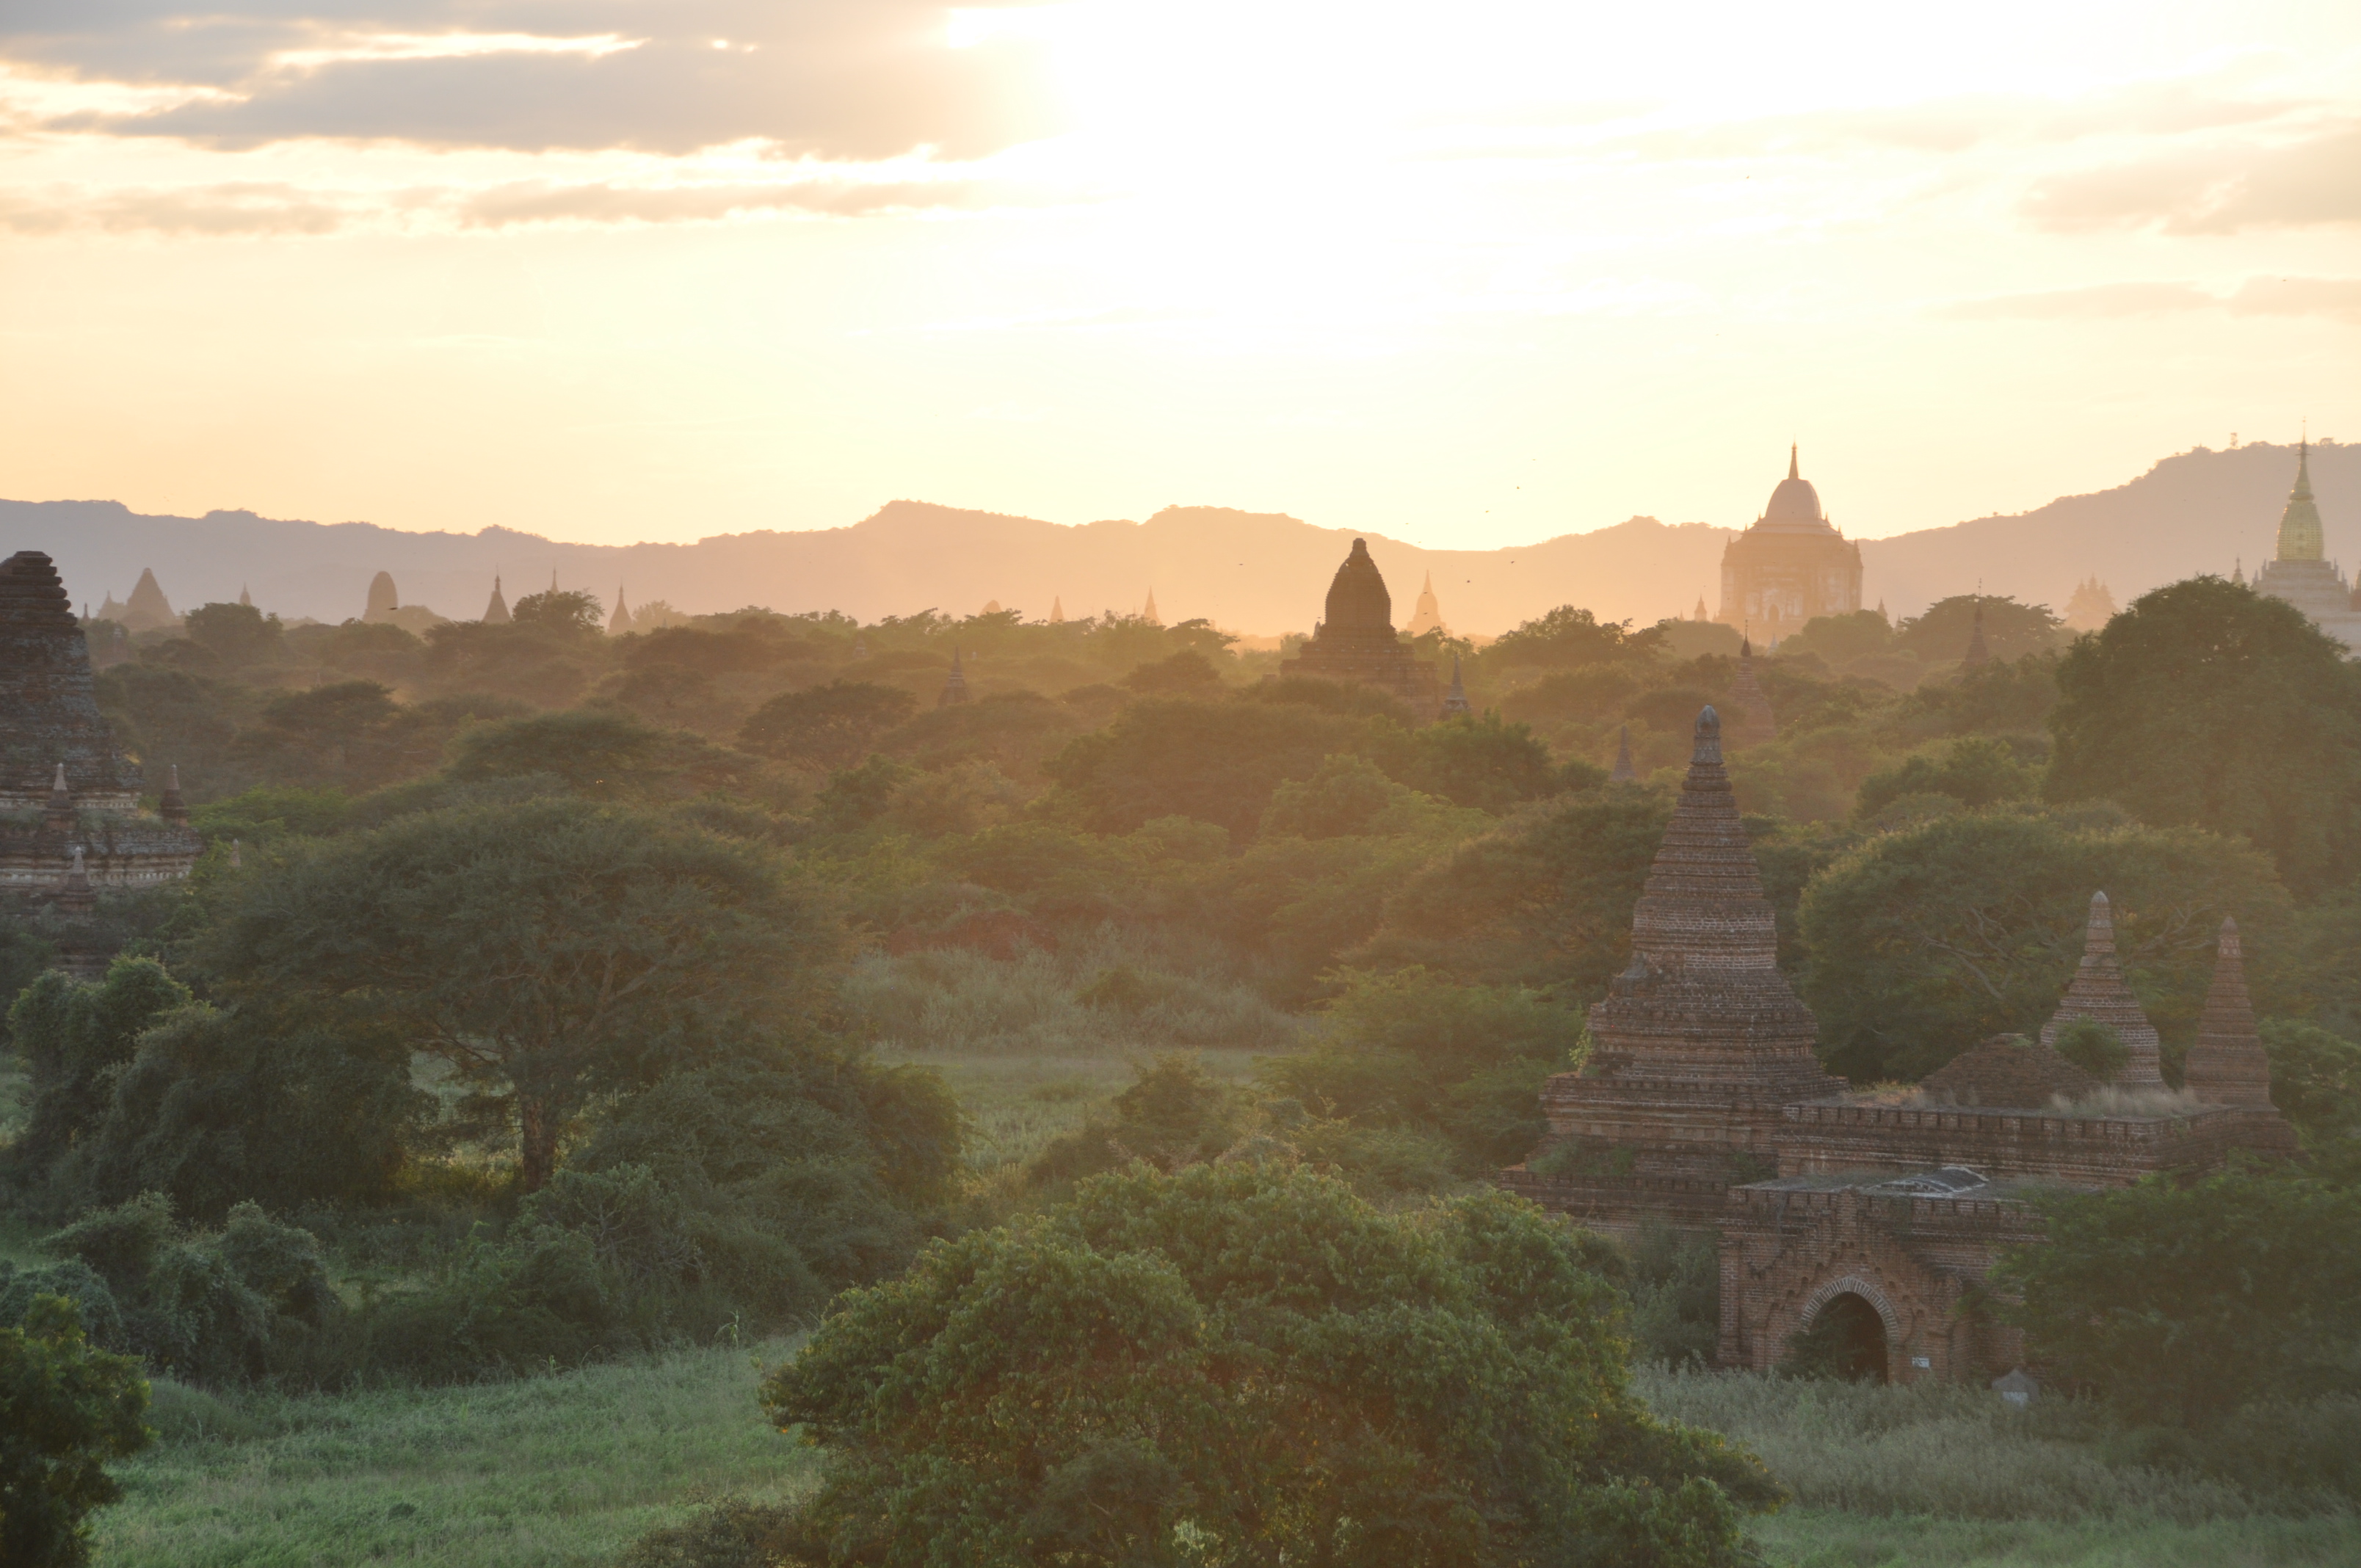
{"type": "Point", "coordinates": [1702, 1108]}
{"type": "Point", "coordinates": [2299, 572]}
{"type": "Point", "coordinates": [1355, 639]}
{"type": "Point", "coordinates": [1790, 566]}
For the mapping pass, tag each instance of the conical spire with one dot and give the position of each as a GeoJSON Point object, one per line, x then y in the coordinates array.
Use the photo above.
{"type": "Point", "coordinates": [496, 612]}
{"type": "Point", "coordinates": [1625, 773]}
{"type": "Point", "coordinates": [169, 805]}
{"type": "Point", "coordinates": [1793, 472]}
{"type": "Point", "coordinates": [2300, 533]}
{"type": "Point", "coordinates": [2097, 992]}
{"type": "Point", "coordinates": [1057, 610]}
{"type": "Point", "coordinates": [1977, 652]}
{"type": "Point", "coordinates": [2228, 1065]}
{"type": "Point", "coordinates": [1455, 699]}
{"type": "Point", "coordinates": [1755, 723]}
{"type": "Point", "coordinates": [60, 816]}
{"type": "Point", "coordinates": [2238, 570]}
{"type": "Point", "coordinates": [955, 683]}
{"type": "Point", "coordinates": [244, 597]}
{"type": "Point", "coordinates": [1699, 613]}
{"type": "Point", "coordinates": [620, 622]}
{"type": "Point", "coordinates": [1703, 1002]}
{"type": "Point", "coordinates": [1148, 613]}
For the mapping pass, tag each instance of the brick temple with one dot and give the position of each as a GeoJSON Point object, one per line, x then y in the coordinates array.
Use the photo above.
{"type": "Point", "coordinates": [71, 823]}
{"type": "Point", "coordinates": [1704, 1107]}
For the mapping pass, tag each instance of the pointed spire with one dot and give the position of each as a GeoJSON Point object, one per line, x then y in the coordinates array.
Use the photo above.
{"type": "Point", "coordinates": [2299, 531]}
{"type": "Point", "coordinates": [171, 806]}
{"type": "Point", "coordinates": [2238, 570]}
{"type": "Point", "coordinates": [1755, 723]}
{"type": "Point", "coordinates": [553, 579]}
{"type": "Point", "coordinates": [2228, 1065]}
{"type": "Point", "coordinates": [496, 613]}
{"type": "Point", "coordinates": [1455, 699]}
{"type": "Point", "coordinates": [1147, 613]}
{"type": "Point", "coordinates": [1977, 652]}
{"type": "Point", "coordinates": [1625, 773]}
{"type": "Point", "coordinates": [74, 894]}
{"type": "Point", "coordinates": [2098, 992]}
{"type": "Point", "coordinates": [955, 683]}
{"type": "Point", "coordinates": [1057, 610]}
{"type": "Point", "coordinates": [1793, 472]}
{"type": "Point", "coordinates": [60, 816]}
{"type": "Point", "coordinates": [1703, 1002]}
{"type": "Point", "coordinates": [244, 597]}
{"type": "Point", "coordinates": [620, 622]}
{"type": "Point", "coordinates": [1699, 613]}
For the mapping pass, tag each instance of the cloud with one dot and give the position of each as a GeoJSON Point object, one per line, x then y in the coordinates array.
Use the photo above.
{"type": "Point", "coordinates": [834, 78]}
{"type": "Point", "coordinates": [535, 201]}
{"type": "Point", "coordinates": [231, 209]}
{"type": "Point", "coordinates": [2211, 190]}
{"type": "Point", "coordinates": [2337, 298]}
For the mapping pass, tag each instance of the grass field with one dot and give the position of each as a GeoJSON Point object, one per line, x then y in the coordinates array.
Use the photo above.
{"type": "Point", "coordinates": [546, 1473]}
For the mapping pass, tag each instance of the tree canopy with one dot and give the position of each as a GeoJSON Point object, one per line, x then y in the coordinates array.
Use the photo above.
{"type": "Point", "coordinates": [1251, 1366]}
{"type": "Point", "coordinates": [544, 948]}
{"type": "Point", "coordinates": [2207, 704]}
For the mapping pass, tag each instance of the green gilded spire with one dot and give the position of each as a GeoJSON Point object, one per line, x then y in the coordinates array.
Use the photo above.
{"type": "Point", "coordinates": [2299, 525]}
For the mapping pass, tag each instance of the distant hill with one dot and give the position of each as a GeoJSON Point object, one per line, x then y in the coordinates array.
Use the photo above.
{"type": "Point", "coordinates": [1253, 571]}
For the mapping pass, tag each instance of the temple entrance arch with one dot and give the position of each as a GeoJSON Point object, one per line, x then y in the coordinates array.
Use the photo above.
{"type": "Point", "coordinates": [1846, 1330]}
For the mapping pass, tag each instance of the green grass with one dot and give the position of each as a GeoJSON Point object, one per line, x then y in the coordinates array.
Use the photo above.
{"type": "Point", "coordinates": [1015, 1104]}
{"type": "Point", "coordinates": [1806, 1537]}
{"type": "Point", "coordinates": [551, 1471]}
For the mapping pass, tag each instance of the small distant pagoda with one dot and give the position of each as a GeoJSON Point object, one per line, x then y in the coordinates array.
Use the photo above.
{"type": "Point", "coordinates": [76, 825]}
{"type": "Point", "coordinates": [1356, 641]}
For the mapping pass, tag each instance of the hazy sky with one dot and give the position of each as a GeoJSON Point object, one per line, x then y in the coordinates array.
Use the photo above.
{"type": "Point", "coordinates": [1466, 273]}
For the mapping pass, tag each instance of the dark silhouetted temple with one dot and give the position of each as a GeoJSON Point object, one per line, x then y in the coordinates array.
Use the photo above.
{"type": "Point", "coordinates": [1355, 639]}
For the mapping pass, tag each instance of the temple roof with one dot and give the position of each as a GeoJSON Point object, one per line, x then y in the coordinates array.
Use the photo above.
{"type": "Point", "coordinates": [1357, 601]}
{"type": "Point", "coordinates": [1795, 506]}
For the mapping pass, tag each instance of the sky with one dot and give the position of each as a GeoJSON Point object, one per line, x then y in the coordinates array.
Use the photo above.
{"type": "Point", "coordinates": [1466, 274]}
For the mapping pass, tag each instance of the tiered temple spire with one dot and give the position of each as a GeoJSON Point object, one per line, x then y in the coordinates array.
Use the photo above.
{"type": "Point", "coordinates": [1703, 1001]}
{"type": "Point", "coordinates": [496, 613]}
{"type": "Point", "coordinates": [2228, 1065]}
{"type": "Point", "coordinates": [1977, 652]}
{"type": "Point", "coordinates": [2098, 992]}
{"type": "Point", "coordinates": [954, 684]}
{"type": "Point", "coordinates": [1623, 771]}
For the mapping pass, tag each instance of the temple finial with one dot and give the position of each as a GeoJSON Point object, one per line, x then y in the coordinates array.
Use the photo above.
{"type": "Point", "coordinates": [1623, 771]}
{"type": "Point", "coordinates": [1791, 462]}
{"type": "Point", "coordinates": [1709, 737]}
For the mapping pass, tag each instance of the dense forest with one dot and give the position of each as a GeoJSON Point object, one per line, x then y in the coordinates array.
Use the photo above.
{"type": "Point", "coordinates": [545, 996]}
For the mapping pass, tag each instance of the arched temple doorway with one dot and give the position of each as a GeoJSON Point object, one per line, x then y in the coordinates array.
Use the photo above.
{"type": "Point", "coordinates": [1846, 1338]}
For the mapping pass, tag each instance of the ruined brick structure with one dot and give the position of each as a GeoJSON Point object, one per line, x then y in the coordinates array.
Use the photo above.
{"type": "Point", "coordinates": [1355, 641]}
{"type": "Point", "coordinates": [1704, 1107]}
{"type": "Point", "coordinates": [70, 823]}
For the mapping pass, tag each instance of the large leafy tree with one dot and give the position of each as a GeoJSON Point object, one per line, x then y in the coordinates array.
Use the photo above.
{"type": "Point", "coordinates": [2011, 630]}
{"type": "Point", "coordinates": [831, 725]}
{"type": "Point", "coordinates": [65, 1411]}
{"type": "Point", "coordinates": [1924, 941]}
{"type": "Point", "coordinates": [1568, 638]}
{"type": "Point", "coordinates": [547, 950]}
{"type": "Point", "coordinates": [1217, 762]}
{"type": "Point", "coordinates": [2208, 704]}
{"type": "Point", "coordinates": [2182, 1303]}
{"type": "Point", "coordinates": [1248, 1366]}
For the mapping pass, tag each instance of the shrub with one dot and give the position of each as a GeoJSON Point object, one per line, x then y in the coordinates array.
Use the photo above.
{"type": "Point", "coordinates": [2093, 1047]}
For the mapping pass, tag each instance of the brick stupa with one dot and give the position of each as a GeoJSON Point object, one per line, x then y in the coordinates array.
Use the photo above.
{"type": "Point", "coordinates": [2098, 992]}
{"type": "Point", "coordinates": [2226, 1065]}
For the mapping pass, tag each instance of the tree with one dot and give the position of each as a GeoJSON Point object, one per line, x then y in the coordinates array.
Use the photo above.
{"type": "Point", "coordinates": [2011, 630]}
{"type": "Point", "coordinates": [1217, 762]}
{"type": "Point", "coordinates": [75, 1038]}
{"type": "Point", "coordinates": [1925, 941]}
{"type": "Point", "coordinates": [1251, 1366]}
{"type": "Point", "coordinates": [233, 633]}
{"type": "Point", "coordinates": [2207, 704]}
{"type": "Point", "coordinates": [68, 1409]}
{"type": "Point", "coordinates": [547, 949]}
{"type": "Point", "coordinates": [599, 754]}
{"type": "Point", "coordinates": [566, 613]}
{"type": "Point", "coordinates": [831, 725]}
{"type": "Point", "coordinates": [1974, 772]}
{"type": "Point", "coordinates": [2181, 1303]}
{"type": "Point", "coordinates": [1567, 638]}
{"type": "Point", "coordinates": [1478, 761]}
{"type": "Point", "coordinates": [2316, 1079]}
